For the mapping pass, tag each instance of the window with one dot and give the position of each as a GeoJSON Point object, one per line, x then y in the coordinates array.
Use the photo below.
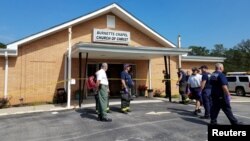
{"type": "Point", "coordinates": [110, 21]}
{"type": "Point", "coordinates": [244, 79]}
{"type": "Point", "coordinates": [231, 79]}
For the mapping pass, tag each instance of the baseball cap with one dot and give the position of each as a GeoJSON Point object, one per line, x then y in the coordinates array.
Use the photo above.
{"type": "Point", "coordinates": [203, 67]}
{"type": "Point", "coordinates": [126, 65]}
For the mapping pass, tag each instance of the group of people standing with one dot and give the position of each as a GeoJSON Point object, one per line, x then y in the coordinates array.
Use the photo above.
{"type": "Point", "coordinates": [209, 90]}
{"type": "Point", "coordinates": [101, 90]}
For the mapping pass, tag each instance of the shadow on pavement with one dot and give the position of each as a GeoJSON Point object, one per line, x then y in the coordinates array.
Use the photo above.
{"type": "Point", "coordinates": [87, 113]}
{"type": "Point", "coordinates": [91, 113]}
{"type": "Point", "coordinates": [188, 116]}
{"type": "Point", "coordinates": [115, 109]}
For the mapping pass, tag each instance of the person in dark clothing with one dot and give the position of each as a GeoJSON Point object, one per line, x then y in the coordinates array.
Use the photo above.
{"type": "Point", "coordinates": [91, 86]}
{"type": "Point", "coordinates": [187, 88]}
{"type": "Point", "coordinates": [127, 84]}
{"type": "Point", "coordinates": [182, 83]}
{"type": "Point", "coordinates": [206, 91]}
{"type": "Point", "coordinates": [220, 96]}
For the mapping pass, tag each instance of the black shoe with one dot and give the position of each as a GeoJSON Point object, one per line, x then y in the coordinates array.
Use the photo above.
{"type": "Point", "coordinates": [124, 112]}
{"type": "Point", "coordinates": [238, 123]}
{"type": "Point", "coordinates": [196, 112]}
{"type": "Point", "coordinates": [181, 102]}
{"type": "Point", "coordinates": [109, 111]}
{"type": "Point", "coordinates": [213, 123]}
{"type": "Point", "coordinates": [106, 119]}
{"type": "Point", "coordinates": [99, 118]}
{"type": "Point", "coordinates": [205, 117]}
{"type": "Point", "coordinates": [199, 110]}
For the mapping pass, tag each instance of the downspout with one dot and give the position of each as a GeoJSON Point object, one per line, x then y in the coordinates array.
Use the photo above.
{"type": "Point", "coordinates": [69, 68]}
{"type": "Point", "coordinates": [65, 72]}
{"type": "Point", "coordinates": [6, 75]}
{"type": "Point", "coordinates": [150, 74]}
{"type": "Point", "coordinates": [179, 46]}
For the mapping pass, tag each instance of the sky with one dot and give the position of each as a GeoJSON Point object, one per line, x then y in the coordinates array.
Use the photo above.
{"type": "Point", "coordinates": [199, 22]}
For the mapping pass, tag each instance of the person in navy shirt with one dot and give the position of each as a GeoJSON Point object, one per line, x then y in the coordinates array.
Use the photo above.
{"type": "Point", "coordinates": [206, 91]}
{"type": "Point", "coordinates": [127, 84]}
{"type": "Point", "coordinates": [220, 96]}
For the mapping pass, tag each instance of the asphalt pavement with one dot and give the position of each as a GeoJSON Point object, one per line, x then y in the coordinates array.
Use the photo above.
{"type": "Point", "coordinates": [161, 121]}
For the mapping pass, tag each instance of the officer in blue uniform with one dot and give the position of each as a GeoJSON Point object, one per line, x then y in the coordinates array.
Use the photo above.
{"type": "Point", "coordinates": [220, 96]}
{"type": "Point", "coordinates": [182, 83]}
{"type": "Point", "coordinates": [206, 91]}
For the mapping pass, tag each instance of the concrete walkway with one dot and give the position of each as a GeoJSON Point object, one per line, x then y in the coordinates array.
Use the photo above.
{"type": "Point", "coordinates": [90, 102]}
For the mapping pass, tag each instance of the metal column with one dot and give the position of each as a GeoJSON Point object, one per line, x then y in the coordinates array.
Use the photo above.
{"type": "Point", "coordinates": [80, 80]}
{"type": "Point", "coordinates": [168, 81]}
{"type": "Point", "coordinates": [85, 76]}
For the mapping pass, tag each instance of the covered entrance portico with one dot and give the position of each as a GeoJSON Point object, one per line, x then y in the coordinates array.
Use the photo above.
{"type": "Point", "coordinates": [122, 54]}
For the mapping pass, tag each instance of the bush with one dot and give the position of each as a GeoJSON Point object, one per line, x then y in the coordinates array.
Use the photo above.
{"type": "Point", "coordinates": [4, 102]}
{"type": "Point", "coordinates": [142, 87]}
{"type": "Point", "coordinates": [158, 93]}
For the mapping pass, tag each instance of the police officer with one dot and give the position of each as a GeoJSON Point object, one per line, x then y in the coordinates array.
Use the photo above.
{"type": "Point", "coordinates": [182, 83]}
{"type": "Point", "coordinates": [206, 91]}
{"type": "Point", "coordinates": [103, 90]}
{"type": "Point", "coordinates": [127, 84]}
{"type": "Point", "coordinates": [220, 96]}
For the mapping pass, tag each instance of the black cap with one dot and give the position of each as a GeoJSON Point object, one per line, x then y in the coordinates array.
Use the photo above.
{"type": "Point", "coordinates": [203, 67]}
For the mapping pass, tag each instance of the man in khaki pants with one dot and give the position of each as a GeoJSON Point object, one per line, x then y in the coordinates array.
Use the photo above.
{"type": "Point", "coordinates": [102, 85]}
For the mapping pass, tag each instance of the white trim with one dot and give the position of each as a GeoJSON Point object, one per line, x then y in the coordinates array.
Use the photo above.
{"type": "Point", "coordinates": [69, 68]}
{"type": "Point", "coordinates": [6, 69]}
{"type": "Point", "coordinates": [150, 74]}
{"type": "Point", "coordinates": [84, 47]}
{"type": "Point", "coordinates": [60, 27]}
{"type": "Point", "coordinates": [111, 8]}
{"type": "Point", "coordinates": [202, 59]}
{"type": "Point", "coordinates": [10, 52]}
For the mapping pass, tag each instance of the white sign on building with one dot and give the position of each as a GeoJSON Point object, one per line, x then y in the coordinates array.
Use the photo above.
{"type": "Point", "coordinates": [111, 36]}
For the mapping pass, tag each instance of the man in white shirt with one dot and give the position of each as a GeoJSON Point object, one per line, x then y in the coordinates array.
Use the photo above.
{"type": "Point", "coordinates": [102, 85]}
{"type": "Point", "coordinates": [194, 83]}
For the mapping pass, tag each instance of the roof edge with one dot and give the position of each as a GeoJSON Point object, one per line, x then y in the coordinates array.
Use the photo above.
{"type": "Point", "coordinates": [100, 11]}
{"type": "Point", "coordinates": [203, 59]}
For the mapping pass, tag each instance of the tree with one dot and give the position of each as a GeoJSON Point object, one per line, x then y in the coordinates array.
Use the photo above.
{"type": "Point", "coordinates": [232, 61]}
{"type": "Point", "coordinates": [238, 57]}
{"type": "Point", "coordinates": [2, 45]}
{"type": "Point", "coordinates": [198, 51]}
{"type": "Point", "coordinates": [218, 50]}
